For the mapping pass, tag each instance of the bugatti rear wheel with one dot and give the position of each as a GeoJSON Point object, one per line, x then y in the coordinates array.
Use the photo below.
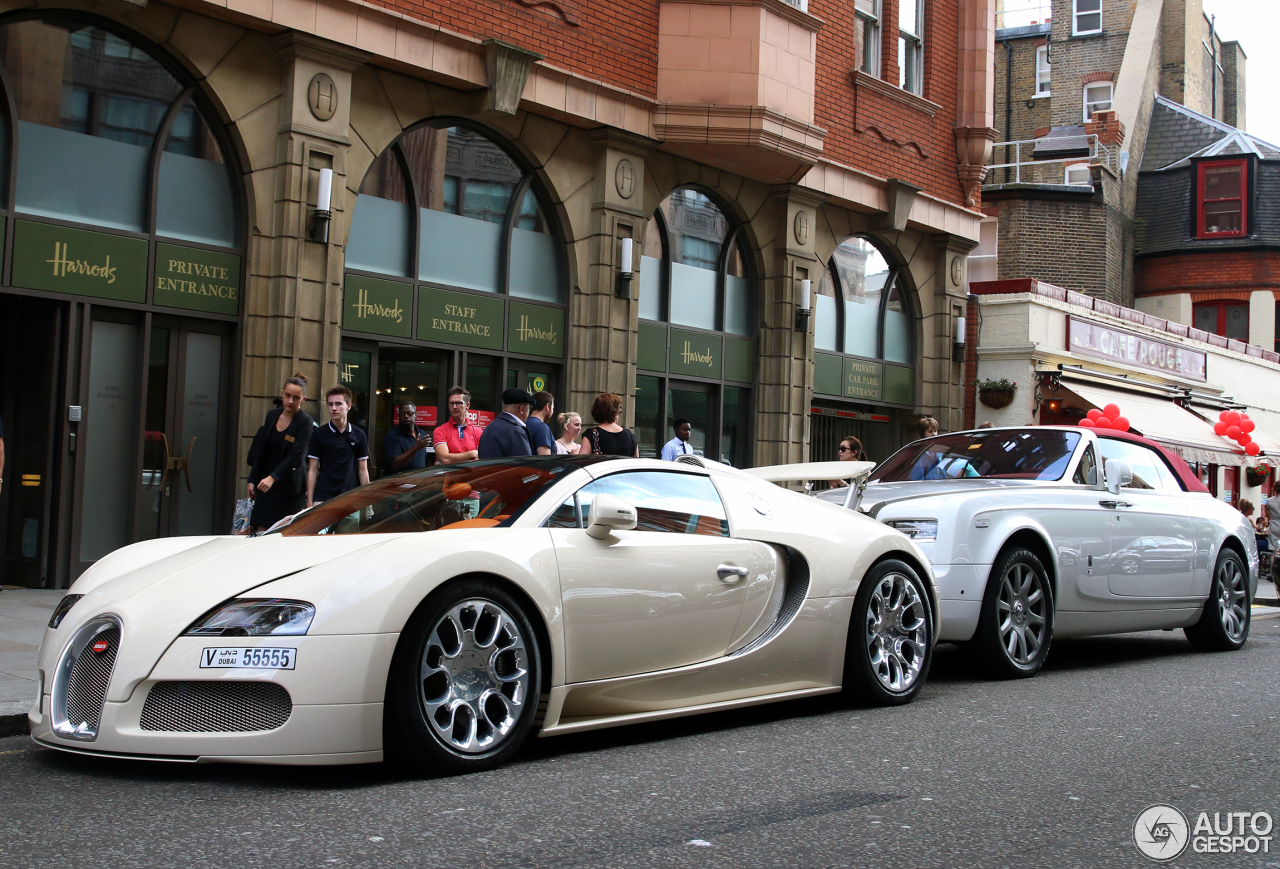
{"type": "Point", "coordinates": [464, 688]}
{"type": "Point", "coordinates": [891, 638]}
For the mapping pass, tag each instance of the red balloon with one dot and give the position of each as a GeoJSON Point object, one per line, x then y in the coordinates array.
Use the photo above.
{"type": "Point", "coordinates": [1252, 448]}
{"type": "Point", "coordinates": [1220, 428]}
{"type": "Point", "coordinates": [1230, 417]}
{"type": "Point", "coordinates": [1102, 422]}
{"type": "Point", "coordinates": [1233, 431]}
{"type": "Point", "coordinates": [1120, 423]}
{"type": "Point", "coordinates": [1111, 410]}
{"type": "Point", "coordinates": [1244, 440]}
{"type": "Point", "coordinates": [1247, 425]}
{"type": "Point", "coordinates": [1094, 413]}
{"type": "Point", "coordinates": [1086, 423]}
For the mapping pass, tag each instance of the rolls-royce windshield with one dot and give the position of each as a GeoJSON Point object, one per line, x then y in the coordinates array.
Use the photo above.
{"type": "Point", "coordinates": [1000, 454]}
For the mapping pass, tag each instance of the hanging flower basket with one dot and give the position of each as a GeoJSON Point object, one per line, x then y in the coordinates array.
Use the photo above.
{"type": "Point", "coordinates": [996, 393]}
{"type": "Point", "coordinates": [1257, 475]}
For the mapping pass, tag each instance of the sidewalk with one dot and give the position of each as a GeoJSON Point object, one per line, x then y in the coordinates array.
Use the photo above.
{"type": "Point", "coordinates": [25, 612]}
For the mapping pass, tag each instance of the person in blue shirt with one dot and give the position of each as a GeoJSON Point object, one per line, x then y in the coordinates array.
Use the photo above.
{"type": "Point", "coordinates": [539, 423]}
{"type": "Point", "coordinates": [405, 446]}
{"type": "Point", "coordinates": [508, 434]}
{"type": "Point", "coordinates": [678, 445]}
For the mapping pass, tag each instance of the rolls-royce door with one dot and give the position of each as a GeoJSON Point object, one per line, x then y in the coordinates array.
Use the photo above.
{"type": "Point", "coordinates": [1153, 537]}
{"type": "Point", "coordinates": [666, 594]}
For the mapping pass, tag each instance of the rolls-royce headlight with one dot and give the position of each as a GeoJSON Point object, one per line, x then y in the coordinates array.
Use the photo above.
{"type": "Point", "coordinates": [254, 618]}
{"type": "Point", "coordinates": [916, 529]}
{"type": "Point", "coordinates": [64, 606]}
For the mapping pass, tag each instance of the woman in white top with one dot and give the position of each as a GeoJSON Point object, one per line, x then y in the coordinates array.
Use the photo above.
{"type": "Point", "coordinates": [571, 426]}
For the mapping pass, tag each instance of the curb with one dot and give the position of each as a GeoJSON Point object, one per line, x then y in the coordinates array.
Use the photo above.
{"type": "Point", "coordinates": [1266, 601]}
{"type": "Point", "coordinates": [14, 725]}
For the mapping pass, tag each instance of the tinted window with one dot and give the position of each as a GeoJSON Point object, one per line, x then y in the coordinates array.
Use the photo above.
{"type": "Point", "coordinates": [1009, 455]}
{"type": "Point", "coordinates": [1149, 470]}
{"type": "Point", "coordinates": [1087, 471]}
{"type": "Point", "coordinates": [665, 501]}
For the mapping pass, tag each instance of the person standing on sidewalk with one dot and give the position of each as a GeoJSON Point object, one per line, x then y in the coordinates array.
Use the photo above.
{"type": "Point", "coordinates": [678, 445]}
{"type": "Point", "coordinates": [539, 422]}
{"type": "Point", "coordinates": [277, 479]}
{"type": "Point", "coordinates": [339, 453]}
{"type": "Point", "coordinates": [508, 435]}
{"type": "Point", "coordinates": [609, 437]}
{"type": "Point", "coordinates": [457, 440]}
{"type": "Point", "coordinates": [405, 445]}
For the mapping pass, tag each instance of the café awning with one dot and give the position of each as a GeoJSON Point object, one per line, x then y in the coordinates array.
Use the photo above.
{"type": "Point", "coordinates": [1186, 434]}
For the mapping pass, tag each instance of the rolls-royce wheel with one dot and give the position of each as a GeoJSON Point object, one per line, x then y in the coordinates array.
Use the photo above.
{"type": "Point", "coordinates": [463, 691]}
{"type": "Point", "coordinates": [890, 642]}
{"type": "Point", "coordinates": [1224, 624]}
{"type": "Point", "coordinates": [1016, 623]}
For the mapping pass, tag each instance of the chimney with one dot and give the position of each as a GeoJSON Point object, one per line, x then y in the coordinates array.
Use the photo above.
{"type": "Point", "coordinates": [1107, 127]}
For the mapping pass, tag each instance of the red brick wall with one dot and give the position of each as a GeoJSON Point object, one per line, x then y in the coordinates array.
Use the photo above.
{"type": "Point", "coordinates": [615, 42]}
{"type": "Point", "coordinates": [618, 43]}
{"type": "Point", "coordinates": [1211, 270]}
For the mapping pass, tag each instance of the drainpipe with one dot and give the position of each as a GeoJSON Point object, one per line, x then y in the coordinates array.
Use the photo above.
{"type": "Point", "coordinates": [1008, 102]}
{"type": "Point", "coordinates": [1213, 68]}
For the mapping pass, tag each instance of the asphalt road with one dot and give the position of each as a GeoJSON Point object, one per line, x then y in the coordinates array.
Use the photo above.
{"type": "Point", "coordinates": [1051, 771]}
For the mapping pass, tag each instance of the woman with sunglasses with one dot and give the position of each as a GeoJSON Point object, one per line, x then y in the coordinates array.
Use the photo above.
{"type": "Point", "coordinates": [850, 450]}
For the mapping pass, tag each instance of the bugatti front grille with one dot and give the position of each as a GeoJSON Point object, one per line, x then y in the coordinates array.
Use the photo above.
{"type": "Point", "coordinates": [86, 687]}
{"type": "Point", "coordinates": [216, 707]}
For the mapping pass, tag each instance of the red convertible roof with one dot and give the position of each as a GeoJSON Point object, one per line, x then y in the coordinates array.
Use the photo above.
{"type": "Point", "coordinates": [1181, 470]}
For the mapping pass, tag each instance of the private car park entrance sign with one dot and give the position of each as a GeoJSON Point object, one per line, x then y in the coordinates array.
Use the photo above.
{"type": "Point", "coordinates": [1119, 345]}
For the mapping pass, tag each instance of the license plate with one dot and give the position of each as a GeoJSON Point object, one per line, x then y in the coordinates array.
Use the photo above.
{"type": "Point", "coordinates": [254, 657]}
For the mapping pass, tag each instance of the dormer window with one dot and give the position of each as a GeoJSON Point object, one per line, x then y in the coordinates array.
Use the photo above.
{"type": "Point", "coordinates": [1221, 202]}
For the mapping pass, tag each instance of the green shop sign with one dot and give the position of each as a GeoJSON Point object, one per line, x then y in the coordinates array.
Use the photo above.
{"type": "Point", "coordinates": [198, 280]}
{"type": "Point", "coordinates": [696, 354]}
{"type": "Point", "coordinates": [378, 307]}
{"type": "Point", "coordinates": [535, 329]}
{"type": "Point", "coordinates": [651, 355]}
{"type": "Point", "coordinates": [64, 260]}
{"type": "Point", "coordinates": [863, 380]}
{"type": "Point", "coordinates": [460, 318]}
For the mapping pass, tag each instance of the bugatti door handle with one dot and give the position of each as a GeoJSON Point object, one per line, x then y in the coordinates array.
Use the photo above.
{"type": "Point", "coordinates": [1107, 502]}
{"type": "Point", "coordinates": [729, 573]}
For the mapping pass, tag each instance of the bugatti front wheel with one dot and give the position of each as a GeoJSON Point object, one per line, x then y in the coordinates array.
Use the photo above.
{"type": "Point", "coordinates": [891, 638]}
{"type": "Point", "coordinates": [463, 692]}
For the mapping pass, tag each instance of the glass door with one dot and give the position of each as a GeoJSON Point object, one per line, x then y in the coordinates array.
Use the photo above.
{"type": "Point", "coordinates": [406, 374]}
{"type": "Point", "coordinates": [696, 403]}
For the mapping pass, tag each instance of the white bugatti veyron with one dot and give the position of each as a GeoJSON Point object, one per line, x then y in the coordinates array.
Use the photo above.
{"type": "Point", "coordinates": [552, 595]}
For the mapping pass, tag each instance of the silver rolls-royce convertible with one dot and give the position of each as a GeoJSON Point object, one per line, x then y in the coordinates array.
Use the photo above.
{"type": "Point", "coordinates": [1047, 531]}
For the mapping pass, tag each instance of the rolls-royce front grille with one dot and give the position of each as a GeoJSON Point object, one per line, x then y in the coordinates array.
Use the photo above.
{"type": "Point", "coordinates": [80, 682]}
{"type": "Point", "coordinates": [216, 707]}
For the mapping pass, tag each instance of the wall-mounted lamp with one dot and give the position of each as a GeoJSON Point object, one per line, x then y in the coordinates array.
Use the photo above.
{"type": "Point", "coordinates": [625, 271]}
{"type": "Point", "coordinates": [806, 306]}
{"type": "Point", "coordinates": [957, 349]}
{"type": "Point", "coordinates": [321, 216]}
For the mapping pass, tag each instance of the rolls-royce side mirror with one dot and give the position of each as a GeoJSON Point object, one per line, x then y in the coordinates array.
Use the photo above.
{"type": "Point", "coordinates": [609, 513]}
{"type": "Point", "coordinates": [1117, 474]}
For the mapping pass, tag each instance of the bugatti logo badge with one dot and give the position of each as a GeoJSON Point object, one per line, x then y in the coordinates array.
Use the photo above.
{"type": "Point", "coordinates": [100, 646]}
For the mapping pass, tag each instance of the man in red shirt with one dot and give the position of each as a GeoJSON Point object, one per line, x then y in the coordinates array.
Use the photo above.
{"type": "Point", "coordinates": [457, 440]}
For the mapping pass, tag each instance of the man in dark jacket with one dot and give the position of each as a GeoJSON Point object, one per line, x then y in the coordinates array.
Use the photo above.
{"type": "Point", "coordinates": [508, 435]}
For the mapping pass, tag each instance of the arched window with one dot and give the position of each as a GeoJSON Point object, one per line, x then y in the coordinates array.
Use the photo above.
{"type": "Point", "coordinates": [444, 204]}
{"type": "Point", "coordinates": [861, 307]}
{"type": "Point", "coordinates": [697, 310]}
{"type": "Point", "coordinates": [95, 114]}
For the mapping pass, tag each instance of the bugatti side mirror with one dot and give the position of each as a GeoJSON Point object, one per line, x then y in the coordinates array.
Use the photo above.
{"type": "Point", "coordinates": [609, 513]}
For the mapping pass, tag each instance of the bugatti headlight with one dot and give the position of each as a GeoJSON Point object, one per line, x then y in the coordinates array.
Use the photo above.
{"type": "Point", "coordinates": [254, 618]}
{"type": "Point", "coordinates": [64, 606]}
{"type": "Point", "coordinates": [916, 529]}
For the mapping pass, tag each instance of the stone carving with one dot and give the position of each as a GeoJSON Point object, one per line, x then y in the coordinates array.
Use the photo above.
{"type": "Point", "coordinates": [800, 228]}
{"type": "Point", "coordinates": [973, 150]}
{"type": "Point", "coordinates": [624, 179]}
{"type": "Point", "coordinates": [322, 96]}
{"type": "Point", "coordinates": [508, 68]}
{"type": "Point", "coordinates": [566, 9]}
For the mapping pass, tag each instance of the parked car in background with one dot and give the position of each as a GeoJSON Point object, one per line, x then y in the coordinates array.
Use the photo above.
{"type": "Point", "coordinates": [439, 617]}
{"type": "Point", "coordinates": [1045, 531]}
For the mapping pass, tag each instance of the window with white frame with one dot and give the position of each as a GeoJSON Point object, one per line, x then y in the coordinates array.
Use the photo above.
{"type": "Point", "coordinates": [1087, 17]}
{"type": "Point", "coordinates": [911, 46]}
{"type": "Point", "coordinates": [982, 259]}
{"type": "Point", "coordinates": [866, 33]}
{"type": "Point", "coordinates": [1097, 98]}
{"type": "Point", "coordinates": [1078, 175]}
{"type": "Point", "coordinates": [1042, 71]}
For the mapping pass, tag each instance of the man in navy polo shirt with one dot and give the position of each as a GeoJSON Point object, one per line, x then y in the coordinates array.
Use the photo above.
{"type": "Point", "coordinates": [539, 423]}
{"type": "Point", "coordinates": [508, 434]}
{"type": "Point", "coordinates": [406, 445]}
{"type": "Point", "coordinates": [338, 455]}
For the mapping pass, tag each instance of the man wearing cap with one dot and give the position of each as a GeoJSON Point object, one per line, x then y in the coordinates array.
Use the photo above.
{"type": "Point", "coordinates": [508, 434]}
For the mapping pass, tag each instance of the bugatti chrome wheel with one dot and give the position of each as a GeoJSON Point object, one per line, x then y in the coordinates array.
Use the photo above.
{"type": "Point", "coordinates": [891, 636]}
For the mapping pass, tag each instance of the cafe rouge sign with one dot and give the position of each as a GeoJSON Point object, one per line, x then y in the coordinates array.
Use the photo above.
{"type": "Point", "coordinates": [83, 263]}
{"type": "Point", "coordinates": [1119, 345]}
{"type": "Point", "coordinates": [382, 307]}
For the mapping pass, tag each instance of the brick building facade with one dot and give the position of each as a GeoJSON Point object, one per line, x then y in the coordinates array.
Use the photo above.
{"type": "Point", "coordinates": [488, 158]}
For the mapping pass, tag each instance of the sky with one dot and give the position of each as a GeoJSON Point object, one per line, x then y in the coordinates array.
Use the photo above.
{"type": "Point", "coordinates": [1255, 23]}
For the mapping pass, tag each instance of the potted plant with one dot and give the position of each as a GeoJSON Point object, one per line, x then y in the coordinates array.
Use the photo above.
{"type": "Point", "coordinates": [1257, 474]}
{"type": "Point", "coordinates": [996, 393]}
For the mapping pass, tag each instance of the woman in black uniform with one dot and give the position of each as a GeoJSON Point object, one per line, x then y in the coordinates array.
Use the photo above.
{"type": "Point", "coordinates": [608, 437]}
{"type": "Point", "coordinates": [277, 482]}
